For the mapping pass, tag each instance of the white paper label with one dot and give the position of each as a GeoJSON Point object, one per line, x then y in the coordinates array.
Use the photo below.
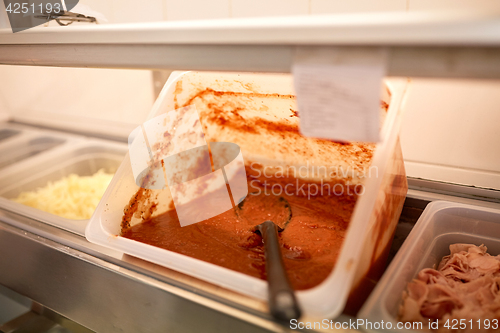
{"type": "Point", "coordinates": [338, 92]}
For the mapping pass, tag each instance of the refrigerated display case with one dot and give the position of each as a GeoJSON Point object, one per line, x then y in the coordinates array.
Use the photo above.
{"type": "Point", "coordinates": [105, 290]}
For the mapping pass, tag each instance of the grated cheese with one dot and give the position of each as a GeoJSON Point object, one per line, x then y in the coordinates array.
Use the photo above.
{"type": "Point", "coordinates": [72, 197]}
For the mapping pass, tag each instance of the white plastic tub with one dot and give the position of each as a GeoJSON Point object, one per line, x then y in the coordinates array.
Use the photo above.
{"type": "Point", "coordinates": [441, 224]}
{"type": "Point", "coordinates": [374, 218]}
{"type": "Point", "coordinates": [84, 158]}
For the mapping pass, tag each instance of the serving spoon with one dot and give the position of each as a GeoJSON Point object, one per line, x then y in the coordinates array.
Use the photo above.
{"type": "Point", "coordinates": [283, 304]}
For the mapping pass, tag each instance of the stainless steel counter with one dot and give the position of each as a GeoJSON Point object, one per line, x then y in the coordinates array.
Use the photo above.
{"type": "Point", "coordinates": [105, 291]}
{"type": "Point", "coordinates": [95, 288]}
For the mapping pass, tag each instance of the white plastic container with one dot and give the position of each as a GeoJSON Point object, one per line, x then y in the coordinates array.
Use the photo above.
{"type": "Point", "coordinates": [441, 224]}
{"type": "Point", "coordinates": [374, 218]}
{"type": "Point", "coordinates": [82, 157]}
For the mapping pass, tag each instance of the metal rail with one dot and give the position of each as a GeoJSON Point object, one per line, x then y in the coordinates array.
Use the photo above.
{"type": "Point", "coordinates": [453, 46]}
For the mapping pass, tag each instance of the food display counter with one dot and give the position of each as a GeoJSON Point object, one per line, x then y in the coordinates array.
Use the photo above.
{"type": "Point", "coordinates": [84, 286]}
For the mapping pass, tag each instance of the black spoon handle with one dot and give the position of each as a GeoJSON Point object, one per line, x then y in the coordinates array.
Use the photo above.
{"type": "Point", "coordinates": [282, 302]}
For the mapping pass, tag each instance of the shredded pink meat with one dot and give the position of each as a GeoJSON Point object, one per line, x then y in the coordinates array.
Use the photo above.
{"type": "Point", "coordinates": [466, 285]}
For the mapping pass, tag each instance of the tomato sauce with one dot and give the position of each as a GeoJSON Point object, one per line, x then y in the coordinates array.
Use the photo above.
{"type": "Point", "coordinates": [310, 243]}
